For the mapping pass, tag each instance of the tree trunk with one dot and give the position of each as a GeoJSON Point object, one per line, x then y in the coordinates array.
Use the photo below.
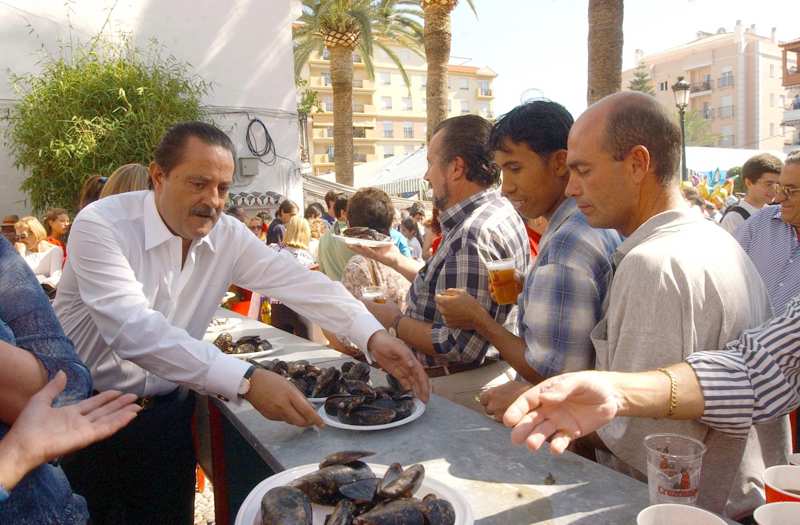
{"type": "Point", "coordinates": [342, 80]}
{"type": "Point", "coordinates": [437, 53]}
{"type": "Point", "coordinates": [605, 49]}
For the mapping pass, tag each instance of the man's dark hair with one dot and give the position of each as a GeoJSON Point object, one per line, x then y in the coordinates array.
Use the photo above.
{"type": "Point", "coordinates": [467, 136]}
{"type": "Point", "coordinates": [330, 197]}
{"type": "Point", "coordinates": [371, 208]}
{"type": "Point", "coordinates": [288, 206]}
{"type": "Point", "coordinates": [542, 125]}
{"type": "Point", "coordinates": [314, 211]}
{"type": "Point", "coordinates": [639, 119]}
{"type": "Point", "coordinates": [793, 157]}
{"type": "Point", "coordinates": [758, 165]}
{"type": "Point", "coordinates": [169, 151]}
{"type": "Point", "coordinates": [340, 204]}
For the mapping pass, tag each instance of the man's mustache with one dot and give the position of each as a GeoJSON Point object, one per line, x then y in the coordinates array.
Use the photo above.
{"type": "Point", "coordinates": [204, 211]}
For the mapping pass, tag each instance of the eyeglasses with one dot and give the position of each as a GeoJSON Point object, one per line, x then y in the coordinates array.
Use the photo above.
{"type": "Point", "coordinates": [786, 191]}
{"type": "Point", "coordinates": [102, 180]}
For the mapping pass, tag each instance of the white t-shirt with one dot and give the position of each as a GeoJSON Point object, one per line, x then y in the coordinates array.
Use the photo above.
{"type": "Point", "coordinates": [734, 219]}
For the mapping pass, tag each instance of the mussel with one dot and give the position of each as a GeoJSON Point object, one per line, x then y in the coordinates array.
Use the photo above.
{"type": "Point", "coordinates": [322, 486]}
{"type": "Point", "coordinates": [285, 506]}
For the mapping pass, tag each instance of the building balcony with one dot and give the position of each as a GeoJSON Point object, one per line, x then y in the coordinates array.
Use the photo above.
{"type": "Point", "coordinates": [725, 112]}
{"type": "Point", "coordinates": [791, 117]}
{"type": "Point", "coordinates": [484, 93]}
{"type": "Point", "coordinates": [700, 88]}
{"type": "Point", "coordinates": [363, 109]}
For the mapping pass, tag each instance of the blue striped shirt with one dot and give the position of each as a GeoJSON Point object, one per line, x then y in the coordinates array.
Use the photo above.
{"type": "Point", "coordinates": [773, 246]}
{"type": "Point", "coordinates": [756, 378]}
{"type": "Point", "coordinates": [562, 299]}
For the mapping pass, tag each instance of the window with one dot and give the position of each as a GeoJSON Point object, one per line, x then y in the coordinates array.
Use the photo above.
{"type": "Point", "coordinates": [356, 58]}
{"type": "Point", "coordinates": [463, 84]}
{"type": "Point", "coordinates": [359, 133]}
{"type": "Point", "coordinates": [388, 151]}
{"type": "Point", "coordinates": [485, 91]}
{"type": "Point", "coordinates": [386, 78]}
{"type": "Point", "coordinates": [726, 79]}
{"type": "Point", "coordinates": [708, 113]}
{"type": "Point", "coordinates": [330, 153]}
{"type": "Point", "coordinates": [386, 102]}
{"type": "Point", "coordinates": [407, 104]}
{"type": "Point", "coordinates": [326, 78]}
{"type": "Point", "coordinates": [327, 103]}
{"type": "Point", "coordinates": [408, 130]}
{"type": "Point", "coordinates": [663, 86]}
{"type": "Point", "coordinates": [326, 55]}
{"type": "Point", "coordinates": [388, 130]}
{"type": "Point", "coordinates": [464, 107]}
{"type": "Point", "coordinates": [329, 132]}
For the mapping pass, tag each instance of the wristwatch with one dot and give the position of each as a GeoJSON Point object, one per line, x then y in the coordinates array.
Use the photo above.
{"type": "Point", "coordinates": [244, 386]}
{"type": "Point", "coordinates": [395, 325]}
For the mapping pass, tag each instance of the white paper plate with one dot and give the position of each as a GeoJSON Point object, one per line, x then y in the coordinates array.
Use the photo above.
{"type": "Point", "coordinates": [419, 409]}
{"type": "Point", "coordinates": [275, 348]}
{"type": "Point", "coordinates": [250, 511]}
{"type": "Point", "coordinates": [369, 243]}
{"type": "Point", "coordinates": [222, 324]}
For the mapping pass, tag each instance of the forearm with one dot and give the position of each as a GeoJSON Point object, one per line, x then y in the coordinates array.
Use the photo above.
{"type": "Point", "coordinates": [13, 463]}
{"type": "Point", "coordinates": [417, 334]}
{"type": "Point", "coordinates": [647, 394]}
{"type": "Point", "coordinates": [21, 376]}
{"type": "Point", "coordinates": [511, 347]}
{"type": "Point", "coordinates": [407, 267]}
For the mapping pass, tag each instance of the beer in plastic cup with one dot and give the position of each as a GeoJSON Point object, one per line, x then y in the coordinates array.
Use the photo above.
{"type": "Point", "coordinates": [373, 293]}
{"type": "Point", "coordinates": [673, 468]}
{"type": "Point", "coordinates": [672, 514]}
{"type": "Point", "coordinates": [501, 275]}
{"type": "Point", "coordinates": [782, 483]}
{"type": "Point", "coordinates": [780, 513]}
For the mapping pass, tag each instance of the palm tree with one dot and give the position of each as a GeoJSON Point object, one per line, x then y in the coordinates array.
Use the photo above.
{"type": "Point", "coordinates": [343, 26]}
{"type": "Point", "coordinates": [605, 49]}
{"type": "Point", "coordinates": [437, 53]}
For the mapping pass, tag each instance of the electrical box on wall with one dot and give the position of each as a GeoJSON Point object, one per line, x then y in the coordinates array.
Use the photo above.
{"type": "Point", "coordinates": [248, 166]}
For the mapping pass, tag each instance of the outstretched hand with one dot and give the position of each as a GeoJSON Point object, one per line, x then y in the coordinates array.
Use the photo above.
{"type": "Point", "coordinates": [395, 357]}
{"type": "Point", "coordinates": [562, 409]}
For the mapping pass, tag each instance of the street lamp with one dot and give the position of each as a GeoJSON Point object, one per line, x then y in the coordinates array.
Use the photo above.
{"type": "Point", "coordinates": [681, 91]}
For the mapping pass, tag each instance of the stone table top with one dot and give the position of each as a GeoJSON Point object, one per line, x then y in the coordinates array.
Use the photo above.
{"type": "Point", "coordinates": [469, 452]}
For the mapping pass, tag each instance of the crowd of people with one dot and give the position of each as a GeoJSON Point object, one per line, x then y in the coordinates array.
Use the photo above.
{"type": "Point", "coordinates": [617, 279]}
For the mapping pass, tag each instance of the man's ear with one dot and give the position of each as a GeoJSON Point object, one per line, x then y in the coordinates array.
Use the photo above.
{"type": "Point", "coordinates": [637, 163]}
{"type": "Point", "coordinates": [557, 163]}
{"type": "Point", "coordinates": [157, 175]}
{"type": "Point", "coordinates": [457, 169]}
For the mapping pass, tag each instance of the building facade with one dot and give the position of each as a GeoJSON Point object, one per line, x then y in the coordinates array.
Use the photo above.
{"type": "Point", "coordinates": [736, 85]}
{"type": "Point", "coordinates": [389, 117]}
{"type": "Point", "coordinates": [791, 81]}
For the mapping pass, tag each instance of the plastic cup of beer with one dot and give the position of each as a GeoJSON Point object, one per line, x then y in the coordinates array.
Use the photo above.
{"type": "Point", "coordinates": [782, 483]}
{"type": "Point", "coordinates": [671, 514]}
{"type": "Point", "coordinates": [501, 276]}
{"type": "Point", "coordinates": [374, 294]}
{"type": "Point", "coordinates": [674, 463]}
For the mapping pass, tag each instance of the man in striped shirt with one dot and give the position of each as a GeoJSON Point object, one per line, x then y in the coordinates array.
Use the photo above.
{"type": "Point", "coordinates": [771, 237]}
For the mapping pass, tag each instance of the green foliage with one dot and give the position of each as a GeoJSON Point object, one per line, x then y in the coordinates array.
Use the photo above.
{"type": "Point", "coordinates": [641, 80]}
{"type": "Point", "coordinates": [698, 130]}
{"type": "Point", "coordinates": [738, 184]}
{"type": "Point", "coordinates": [88, 113]}
{"type": "Point", "coordinates": [307, 99]}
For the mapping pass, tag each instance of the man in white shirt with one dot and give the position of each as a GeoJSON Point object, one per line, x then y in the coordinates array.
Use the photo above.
{"type": "Point", "coordinates": [760, 174]}
{"type": "Point", "coordinates": [145, 275]}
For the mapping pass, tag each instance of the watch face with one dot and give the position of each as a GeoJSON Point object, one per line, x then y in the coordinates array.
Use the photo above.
{"type": "Point", "coordinates": [244, 387]}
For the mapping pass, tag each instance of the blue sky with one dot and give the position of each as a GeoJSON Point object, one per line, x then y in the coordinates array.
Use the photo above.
{"type": "Point", "coordinates": [541, 44]}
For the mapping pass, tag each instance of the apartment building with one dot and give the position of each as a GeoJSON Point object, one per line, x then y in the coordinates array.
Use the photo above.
{"type": "Point", "coordinates": [389, 117]}
{"type": "Point", "coordinates": [736, 84]}
{"type": "Point", "coordinates": [791, 81]}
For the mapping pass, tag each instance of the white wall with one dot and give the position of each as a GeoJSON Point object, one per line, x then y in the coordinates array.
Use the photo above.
{"type": "Point", "coordinates": [242, 47]}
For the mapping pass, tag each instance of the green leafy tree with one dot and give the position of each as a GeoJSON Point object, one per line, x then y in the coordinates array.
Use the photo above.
{"type": "Point", "coordinates": [91, 111]}
{"type": "Point", "coordinates": [738, 183]}
{"type": "Point", "coordinates": [641, 80]}
{"type": "Point", "coordinates": [343, 26]}
{"type": "Point", "coordinates": [698, 130]}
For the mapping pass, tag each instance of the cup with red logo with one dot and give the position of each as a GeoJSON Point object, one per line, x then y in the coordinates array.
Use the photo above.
{"type": "Point", "coordinates": [782, 483]}
{"type": "Point", "coordinates": [674, 463]}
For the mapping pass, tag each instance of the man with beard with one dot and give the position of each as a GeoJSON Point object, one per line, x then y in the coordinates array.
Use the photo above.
{"type": "Point", "coordinates": [479, 226]}
{"type": "Point", "coordinates": [144, 278]}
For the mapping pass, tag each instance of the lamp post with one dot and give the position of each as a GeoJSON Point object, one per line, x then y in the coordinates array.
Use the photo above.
{"type": "Point", "coordinates": [681, 91]}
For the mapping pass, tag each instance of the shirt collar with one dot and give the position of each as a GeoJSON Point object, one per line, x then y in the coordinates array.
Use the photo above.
{"type": "Point", "coordinates": [669, 220]}
{"type": "Point", "coordinates": [565, 210]}
{"type": "Point", "coordinates": [157, 233]}
{"type": "Point", "coordinates": [458, 213]}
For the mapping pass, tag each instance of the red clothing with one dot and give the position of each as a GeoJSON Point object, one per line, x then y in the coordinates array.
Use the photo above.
{"type": "Point", "coordinates": [435, 244]}
{"type": "Point", "coordinates": [56, 242]}
{"type": "Point", "coordinates": [533, 238]}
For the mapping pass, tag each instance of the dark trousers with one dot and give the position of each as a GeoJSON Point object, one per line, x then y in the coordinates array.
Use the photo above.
{"type": "Point", "coordinates": [145, 473]}
{"type": "Point", "coordinates": [287, 320]}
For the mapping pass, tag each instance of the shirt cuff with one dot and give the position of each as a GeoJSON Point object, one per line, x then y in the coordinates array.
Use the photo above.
{"type": "Point", "coordinates": [224, 377]}
{"type": "Point", "coordinates": [362, 328]}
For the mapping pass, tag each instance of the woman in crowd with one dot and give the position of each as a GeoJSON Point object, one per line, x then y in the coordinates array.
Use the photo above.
{"type": "Point", "coordinates": [129, 177]}
{"type": "Point", "coordinates": [45, 259]}
{"type": "Point", "coordinates": [56, 223]}
{"type": "Point", "coordinates": [295, 242]}
{"type": "Point", "coordinates": [433, 236]}
{"type": "Point", "coordinates": [318, 229]}
{"type": "Point", "coordinates": [277, 229]}
{"type": "Point", "coordinates": [410, 231]}
{"type": "Point", "coordinates": [90, 191]}
{"type": "Point", "coordinates": [31, 490]}
{"type": "Point", "coordinates": [256, 225]}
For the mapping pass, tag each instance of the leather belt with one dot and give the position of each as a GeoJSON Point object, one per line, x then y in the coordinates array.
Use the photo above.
{"type": "Point", "coordinates": [454, 368]}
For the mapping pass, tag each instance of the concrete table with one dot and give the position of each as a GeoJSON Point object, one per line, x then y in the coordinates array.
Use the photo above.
{"type": "Point", "coordinates": [464, 449]}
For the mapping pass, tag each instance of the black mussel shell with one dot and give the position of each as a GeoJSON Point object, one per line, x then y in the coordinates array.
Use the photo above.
{"type": "Point", "coordinates": [342, 514]}
{"type": "Point", "coordinates": [244, 348]}
{"type": "Point", "coordinates": [297, 368]}
{"type": "Point", "coordinates": [398, 512]}
{"type": "Point", "coordinates": [392, 473]}
{"type": "Point", "coordinates": [356, 387]}
{"type": "Point", "coordinates": [367, 415]}
{"type": "Point", "coordinates": [346, 366]}
{"type": "Point", "coordinates": [358, 371]}
{"type": "Point", "coordinates": [301, 384]}
{"type": "Point", "coordinates": [438, 511]}
{"type": "Point", "coordinates": [345, 457]}
{"type": "Point", "coordinates": [286, 506]}
{"type": "Point", "coordinates": [322, 486]}
{"type": "Point", "coordinates": [327, 383]}
{"type": "Point", "coordinates": [406, 483]}
{"type": "Point", "coordinates": [404, 408]}
{"type": "Point", "coordinates": [361, 491]}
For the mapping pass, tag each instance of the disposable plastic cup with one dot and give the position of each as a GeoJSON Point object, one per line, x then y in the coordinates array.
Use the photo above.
{"type": "Point", "coordinates": [782, 483]}
{"type": "Point", "coordinates": [781, 513]}
{"type": "Point", "coordinates": [501, 276]}
{"type": "Point", "coordinates": [674, 514]}
{"type": "Point", "coordinates": [674, 463]}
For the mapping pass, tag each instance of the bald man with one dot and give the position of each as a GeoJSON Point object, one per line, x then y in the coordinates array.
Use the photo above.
{"type": "Point", "coordinates": [680, 284]}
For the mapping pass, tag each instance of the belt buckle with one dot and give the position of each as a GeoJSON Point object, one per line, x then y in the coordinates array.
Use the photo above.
{"type": "Point", "coordinates": [145, 402]}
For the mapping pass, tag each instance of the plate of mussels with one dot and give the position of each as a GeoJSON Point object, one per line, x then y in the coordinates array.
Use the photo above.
{"type": "Point", "coordinates": [344, 490]}
{"type": "Point", "coordinates": [246, 346]}
{"type": "Point", "coordinates": [317, 383]}
{"type": "Point", "coordinates": [362, 236]}
{"type": "Point", "coordinates": [374, 408]}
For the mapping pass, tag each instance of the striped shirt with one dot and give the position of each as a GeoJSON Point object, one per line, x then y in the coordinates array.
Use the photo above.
{"type": "Point", "coordinates": [773, 246]}
{"type": "Point", "coordinates": [756, 378]}
{"type": "Point", "coordinates": [562, 300]}
{"type": "Point", "coordinates": [483, 227]}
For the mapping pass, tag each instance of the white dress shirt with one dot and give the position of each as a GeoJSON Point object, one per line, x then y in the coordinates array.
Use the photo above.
{"type": "Point", "coordinates": [46, 264]}
{"type": "Point", "coordinates": [136, 317]}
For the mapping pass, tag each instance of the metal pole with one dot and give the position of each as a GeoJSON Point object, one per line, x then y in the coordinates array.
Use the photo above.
{"type": "Point", "coordinates": [684, 170]}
